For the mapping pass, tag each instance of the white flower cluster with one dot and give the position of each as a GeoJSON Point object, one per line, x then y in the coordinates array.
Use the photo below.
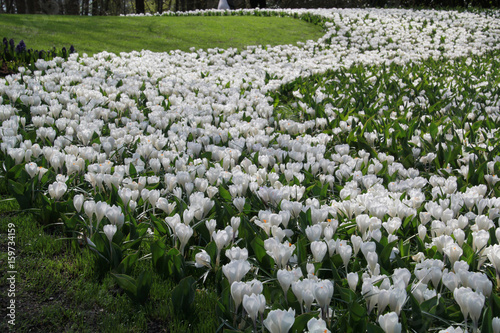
{"type": "Point", "coordinates": [163, 128]}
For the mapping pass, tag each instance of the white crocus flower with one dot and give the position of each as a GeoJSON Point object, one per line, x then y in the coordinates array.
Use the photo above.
{"type": "Point", "coordinates": [280, 321]}
{"type": "Point", "coordinates": [109, 231]}
{"type": "Point", "coordinates": [390, 323]}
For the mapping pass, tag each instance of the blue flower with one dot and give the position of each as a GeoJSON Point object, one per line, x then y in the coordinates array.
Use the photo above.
{"type": "Point", "coordinates": [21, 47]}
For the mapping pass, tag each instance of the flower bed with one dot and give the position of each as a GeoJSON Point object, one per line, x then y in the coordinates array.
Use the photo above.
{"type": "Point", "coordinates": [340, 184]}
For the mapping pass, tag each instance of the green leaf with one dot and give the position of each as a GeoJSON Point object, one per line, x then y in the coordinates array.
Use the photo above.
{"type": "Point", "coordinates": [372, 328]}
{"type": "Point", "coordinates": [144, 282]}
{"type": "Point", "coordinates": [417, 321]}
{"type": "Point", "coordinates": [347, 294]}
{"type": "Point", "coordinates": [16, 172]}
{"type": "Point", "coordinates": [300, 324]}
{"type": "Point", "coordinates": [225, 194]}
{"type": "Point", "coordinates": [132, 171]}
{"type": "Point", "coordinates": [159, 225]}
{"type": "Point", "coordinates": [175, 264]}
{"type": "Point", "coordinates": [433, 130]}
{"type": "Point", "coordinates": [183, 294]}
{"type": "Point", "coordinates": [16, 188]}
{"type": "Point", "coordinates": [127, 264]}
{"type": "Point", "coordinates": [127, 283]}
{"type": "Point", "coordinates": [384, 257]}
{"type": "Point", "coordinates": [356, 311]}
{"type": "Point", "coordinates": [265, 261]}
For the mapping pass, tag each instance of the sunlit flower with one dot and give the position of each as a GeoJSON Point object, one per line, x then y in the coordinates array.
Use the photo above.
{"type": "Point", "coordinates": [390, 323]}
{"type": "Point", "coordinates": [280, 321]}
{"type": "Point", "coordinates": [235, 270]}
{"type": "Point", "coordinates": [109, 231]}
{"type": "Point", "coordinates": [57, 190]}
{"type": "Point", "coordinates": [317, 326]}
{"type": "Point", "coordinates": [202, 259]}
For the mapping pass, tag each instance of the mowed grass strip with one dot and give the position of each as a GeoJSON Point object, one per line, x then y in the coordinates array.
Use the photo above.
{"type": "Point", "coordinates": [159, 34]}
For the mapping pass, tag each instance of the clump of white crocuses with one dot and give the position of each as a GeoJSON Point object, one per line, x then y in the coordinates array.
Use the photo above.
{"type": "Point", "coordinates": [377, 184]}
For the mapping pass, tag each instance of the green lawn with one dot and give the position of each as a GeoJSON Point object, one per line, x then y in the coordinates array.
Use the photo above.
{"type": "Point", "coordinates": [124, 34]}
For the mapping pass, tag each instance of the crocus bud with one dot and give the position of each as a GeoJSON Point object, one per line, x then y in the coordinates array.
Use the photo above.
{"type": "Point", "coordinates": [153, 197]}
{"type": "Point", "coordinates": [352, 280]}
{"type": "Point", "coordinates": [495, 324]}
{"type": "Point", "coordinates": [31, 169]}
{"type": "Point", "coordinates": [494, 258]}
{"type": "Point", "coordinates": [235, 223]}
{"type": "Point", "coordinates": [390, 323]}
{"type": "Point", "coordinates": [202, 259]}
{"type": "Point", "coordinates": [115, 215]}
{"type": "Point", "coordinates": [235, 270]}
{"type": "Point", "coordinates": [89, 208]}
{"type": "Point", "coordinates": [313, 233]}
{"type": "Point", "coordinates": [57, 190]}
{"type": "Point", "coordinates": [454, 252]}
{"type": "Point", "coordinates": [459, 235]}
{"type": "Point", "coordinates": [100, 210]}
{"type": "Point", "coordinates": [163, 204]}
{"type": "Point", "coordinates": [221, 239]}
{"type": "Point", "coordinates": [237, 253]}
{"type": "Point", "coordinates": [450, 280]}
{"type": "Point", "coordinates": [238, 290]}
{"type": "Point", "coordinates": [280, 321]}
{"type": "Point", "coordinates": [461, 294]}
{"type": "Point", "coordinates": [109, 231]}
{"type": "Point", "coordinates": [323, 293]}
{"type": "Point", "coordinates": [211, 224]}
{"type": "Point", "coordinates": [422, 232]}
{"type": "Point", "coordinates": [372, 260]}
{"type": "Point", "coordinates": [172, 221]}
{"type": "Point", "coordinates": [345, 252]}
{"type": "Point", "coordinates": [256, 287]}
{"type": "Point", "coordinates": [239, 203]}
{"type": "Point", "coordinates": [78, 202]}
{"type": "Point", "coordinates": [183, 232]}
{"type": "Point", "coordinates": [356, 243]}
{"type": "Point", "coordinates": [285, 279]}
{"type": "Point", "coordinates": [384, 297]}
{"type": "Point", "coordinates": [318, 250]}
{"type": "Point", "coordinates": [252, 305]}
{"type": "Point", "coordinates": [475, 303]}
{"type": "Point", "coordinates": [317, 326]}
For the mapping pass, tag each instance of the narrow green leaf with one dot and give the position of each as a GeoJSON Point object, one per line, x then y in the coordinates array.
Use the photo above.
{"type": "Point", "coordinates": [183, 294]}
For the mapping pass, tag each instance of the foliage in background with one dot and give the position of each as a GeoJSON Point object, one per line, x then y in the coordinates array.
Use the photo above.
{"type": "Point", "coordinates": [123, 7]}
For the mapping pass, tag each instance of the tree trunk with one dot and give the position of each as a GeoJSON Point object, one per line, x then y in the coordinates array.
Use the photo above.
{"type": "Point", "coordinates": [85, 7]}
{"type": "Point", "coordinates": [72, 7]}
{"type": "Point", "coordinates": [33, 7]}
{"type": "Point", "coordinates": [105, 7]}
{"type": "Point", "coordinates": [159, 6]}
{"type": "Point", "coordinates": [10, 8]}
{"type": "Point", "coordinates": [61, 5]}
{"type": "Point", "coordinates": [139, 7]}
{"type": "Point", "coordinates": [95, 8]}
{"type": "Point", "coordinates": [21, 6]}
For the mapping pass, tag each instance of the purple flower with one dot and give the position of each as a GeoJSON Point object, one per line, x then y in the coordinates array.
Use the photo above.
{"type": "Point", "coordinates": [21, 47]}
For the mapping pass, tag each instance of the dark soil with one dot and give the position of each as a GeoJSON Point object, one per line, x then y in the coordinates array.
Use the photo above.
{"type": "Point", "coordinates": [4, 70]}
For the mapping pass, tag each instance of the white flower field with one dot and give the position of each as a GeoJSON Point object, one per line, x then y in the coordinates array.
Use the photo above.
{"type": "Point", "coordinates": [345, 184]}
